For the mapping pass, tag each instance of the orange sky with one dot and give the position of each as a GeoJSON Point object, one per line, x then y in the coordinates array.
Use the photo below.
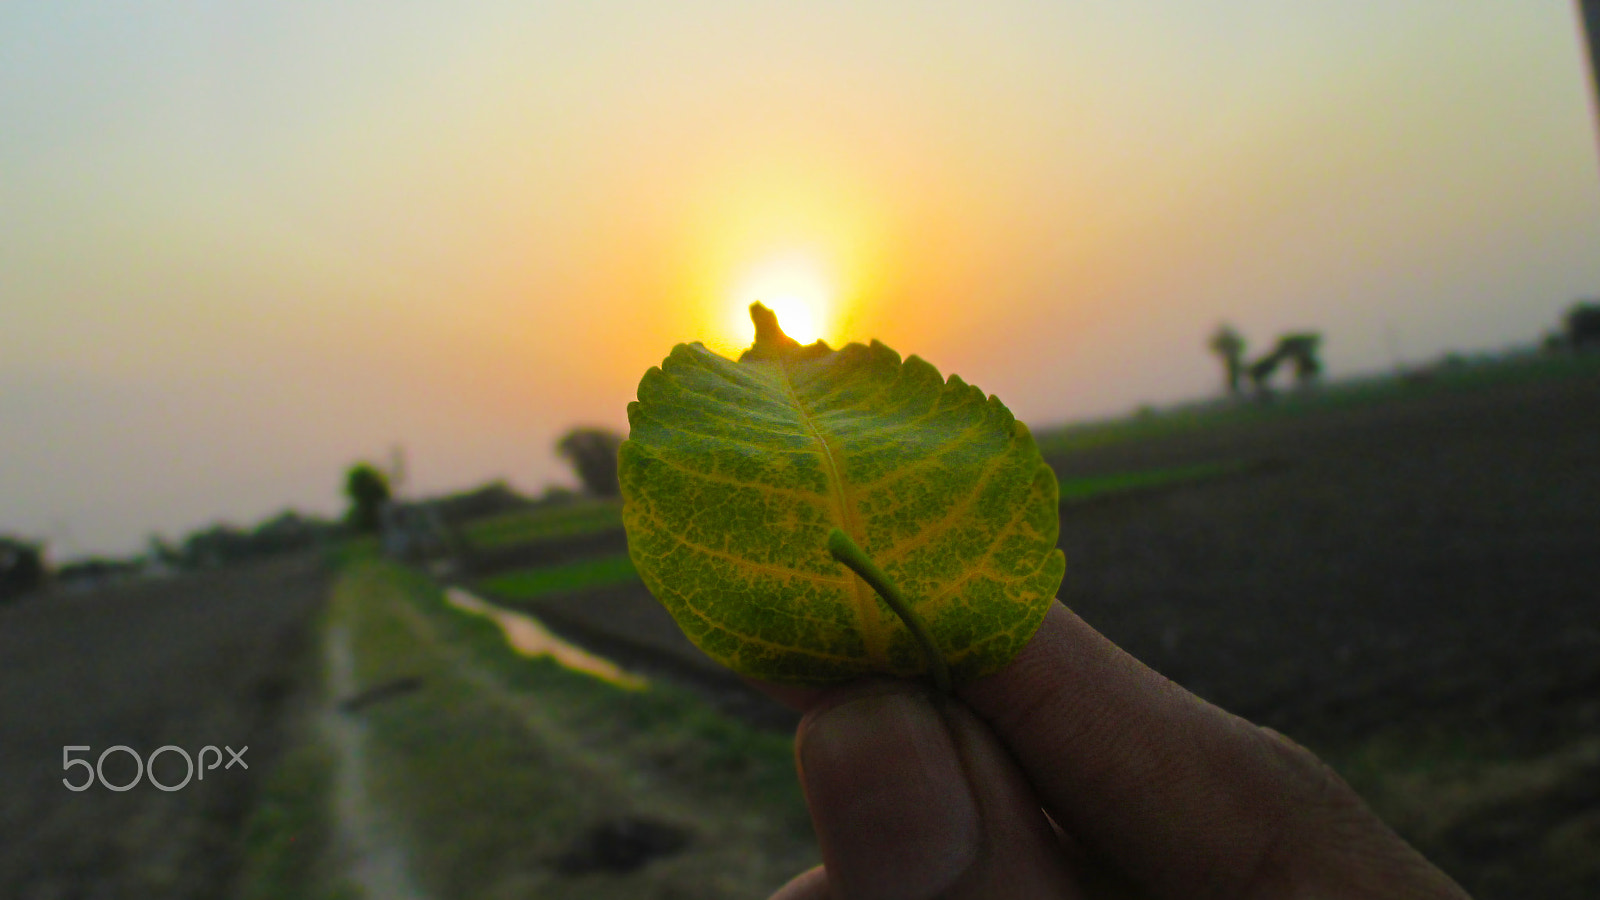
{"type": "Point", "coordinates": [244, 248]}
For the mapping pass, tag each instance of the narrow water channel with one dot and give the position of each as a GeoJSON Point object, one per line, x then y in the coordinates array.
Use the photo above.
{"type": "Point", "coordinates": [529, 637]}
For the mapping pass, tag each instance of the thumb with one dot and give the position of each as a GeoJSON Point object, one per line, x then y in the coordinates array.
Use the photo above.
{"type": "Point", "coordinates": [913, 797]}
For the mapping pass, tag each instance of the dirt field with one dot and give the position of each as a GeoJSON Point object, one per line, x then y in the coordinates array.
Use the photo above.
{"type": "Point", "coordinates": [199, 660]}
{"type": "Point", "coordinates": [1439, 557]}
{"type": "Point", "coordinates": [1413, 586]}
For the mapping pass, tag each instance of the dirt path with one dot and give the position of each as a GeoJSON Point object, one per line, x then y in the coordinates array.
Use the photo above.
{"type": "Point", "coordinates": [370, 853]}
{"type": "Point", "coordinates": [206, 659]}
{"type": "Point", "coordinates": [508, 776]}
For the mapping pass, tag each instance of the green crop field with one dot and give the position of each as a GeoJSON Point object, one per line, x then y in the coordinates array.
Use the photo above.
{"type": "Point", "coordinates": [527, 526]}
{"type": "Point", "coordinates": [526, 584]}
{"type": "Point", "coordinates": [1075, 490]}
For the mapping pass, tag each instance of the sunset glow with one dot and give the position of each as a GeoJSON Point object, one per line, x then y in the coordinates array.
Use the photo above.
{"type": "Point", "coordinates": [245, 249]}
{"type": "Point", "coordinates": [794, 288]}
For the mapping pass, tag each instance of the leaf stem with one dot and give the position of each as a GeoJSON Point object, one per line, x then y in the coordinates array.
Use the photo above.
{"type": "Point", "coordinates": [845, 551]}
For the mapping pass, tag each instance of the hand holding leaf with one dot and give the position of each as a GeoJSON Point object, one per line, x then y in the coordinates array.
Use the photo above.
{"type": "Point", "coordinates": [736, 474]}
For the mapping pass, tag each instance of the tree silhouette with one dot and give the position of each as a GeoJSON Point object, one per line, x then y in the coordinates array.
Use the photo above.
{"type": "Point", "coordinates": [1229, 345]}
{"type": "Point", "coordinates": [1582, 323]}
{"type": "Point", "coordinates": [21, 567]}
{"type": "Point", "coordinates": [1303, 350]}
{"type": "Point", "coordinates": [1300, 350]}
{"type": "Point", "coordinates": [593, 453]}
{"type": "Point", "coordinates": [368, 490]}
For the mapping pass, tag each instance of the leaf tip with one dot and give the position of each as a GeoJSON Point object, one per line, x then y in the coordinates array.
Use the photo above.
{"type": "Point", "coordinates": [771, 342]}
{"type": "Point", "coordinates": [886, 353]}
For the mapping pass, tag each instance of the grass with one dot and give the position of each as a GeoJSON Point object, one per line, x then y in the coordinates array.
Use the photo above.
{"type": "Point", "coordinates": [348, 550]}
{"type": "Point", "coordinates": [498, 762]}
{"type": "Point", "coordinates": [583, 574]}
{"type": "Point", "coordinates": [1446, 792]}
{"type": "Point", "coordinates": [291, 827]}
{"type": "Point", "coordinates": [527, 526]}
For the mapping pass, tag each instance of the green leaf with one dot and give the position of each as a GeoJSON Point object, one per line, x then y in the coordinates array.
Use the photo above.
{"type": "Point", "coordinates": [735, 473]}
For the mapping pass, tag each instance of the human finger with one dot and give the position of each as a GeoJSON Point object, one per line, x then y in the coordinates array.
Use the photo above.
{"type": "Point", "coordinates": [812, 884]}
{"type": "Point", "coordinates": [913, 797]}
{"type": "Point", "coordinates": [1184, 798]}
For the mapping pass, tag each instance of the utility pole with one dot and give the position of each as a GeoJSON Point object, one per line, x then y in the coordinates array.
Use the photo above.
{"type": "Point", "coordinates": [1591, 24]}
{"type": "Point", "coordinates": [397, 470]}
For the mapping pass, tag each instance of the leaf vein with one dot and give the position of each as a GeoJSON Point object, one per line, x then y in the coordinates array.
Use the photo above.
{"type": "Point", "coordinates": [771, 490]}
{"type": "Point", "coordinates": [950, 519]}
{"type": "Point", "coordinates": [725, 556]}
{"type": "Point", "coordinates": [872, 630]}
{"type": "Point", "coordinates": [752, 639]}
{"type": "Point", "coordinates": [983, 568]}
{"type": "Point", "coordinates": [725, 438]}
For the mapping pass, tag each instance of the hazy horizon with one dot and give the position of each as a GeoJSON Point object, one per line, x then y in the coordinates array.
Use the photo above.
{"type": "Point", "coordinates": [242, 248]}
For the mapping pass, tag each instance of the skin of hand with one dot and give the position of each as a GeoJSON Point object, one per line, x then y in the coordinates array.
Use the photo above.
{"type": "Point", "coordinates": [1077, 771]}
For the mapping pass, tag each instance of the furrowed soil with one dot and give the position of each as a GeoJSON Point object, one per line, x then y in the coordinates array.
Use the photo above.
{"type": "Point", "coordinates": [209, 659]}
{"type": "Point", "coordinates": [1411, 588]}
{"type": "Point", "coordinates": [1436, 559]}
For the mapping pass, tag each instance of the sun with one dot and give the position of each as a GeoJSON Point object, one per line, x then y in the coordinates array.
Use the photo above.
{"type": "Point", "coordinates": [795, 288]}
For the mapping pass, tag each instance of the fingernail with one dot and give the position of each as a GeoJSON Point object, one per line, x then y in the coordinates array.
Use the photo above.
{"type": "Point", "coordinates": [892, 807]}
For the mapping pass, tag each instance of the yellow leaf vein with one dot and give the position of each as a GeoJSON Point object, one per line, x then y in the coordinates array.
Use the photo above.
{"type": "Point", "coordinates": [950, 519]}
{"type": "Point", "coordinates": [735, 559]}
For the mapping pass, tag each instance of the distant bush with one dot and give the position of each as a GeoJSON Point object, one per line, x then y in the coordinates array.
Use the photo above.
{"type": "Point", "coordinates": [94, 572]}
{"type": "Point", "coordinates": [368, 490]}
{"type": "Point", "coordinates": [21, 568]}
{"type": "Point", "coordinates": [1229, 346]}
{"type": "Point", "coordinates": [222, 544]}
{"type": "Point", "coordinates": [593, 453]}
{"type": "Point", "coordinates": [1583, 325]}
{"type": "Point", "coordinates": [1299, 350]}
{"type": "Point", "coordinates": [492, 499]}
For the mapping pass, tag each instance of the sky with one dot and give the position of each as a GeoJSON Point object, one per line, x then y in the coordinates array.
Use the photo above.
{"type": "Point", "coordinates": [244, 245]}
